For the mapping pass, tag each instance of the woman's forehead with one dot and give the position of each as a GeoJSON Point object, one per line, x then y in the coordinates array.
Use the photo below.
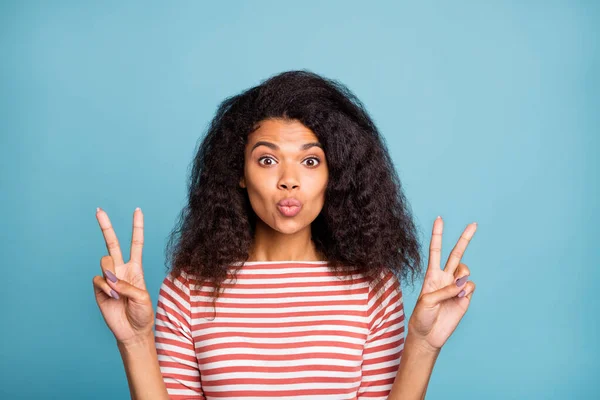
{"type": "Point", "coordinates": [282, 130]}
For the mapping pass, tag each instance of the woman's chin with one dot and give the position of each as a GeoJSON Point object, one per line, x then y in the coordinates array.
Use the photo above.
{"type": "Point", "coordinates": [288, 227]}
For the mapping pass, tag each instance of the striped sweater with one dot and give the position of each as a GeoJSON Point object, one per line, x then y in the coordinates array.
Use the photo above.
{"type": "Point", "coordinates": [281, 330]}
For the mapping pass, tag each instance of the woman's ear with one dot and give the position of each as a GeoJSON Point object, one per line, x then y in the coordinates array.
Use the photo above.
{"type": "Point", "coordinates": [243, 182]}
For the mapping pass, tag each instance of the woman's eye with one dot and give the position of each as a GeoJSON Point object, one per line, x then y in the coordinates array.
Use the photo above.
{"type": "Point", "coordinates": [314, 163]}
{"type": "Point", "coordinates": [265, 158]}
{"type": "Point", "coordinates": [268, 161]}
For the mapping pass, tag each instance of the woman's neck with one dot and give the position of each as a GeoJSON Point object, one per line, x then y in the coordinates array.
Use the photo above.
{"type": "Point", "coordinates": [271, 245]}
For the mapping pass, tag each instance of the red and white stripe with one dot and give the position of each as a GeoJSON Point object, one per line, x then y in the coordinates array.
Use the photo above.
{"type": "Point", "coordinates": [282, 330]}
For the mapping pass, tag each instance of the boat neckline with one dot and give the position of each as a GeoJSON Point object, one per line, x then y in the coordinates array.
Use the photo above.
{"type": "Point", "coordinates": [282, 262]}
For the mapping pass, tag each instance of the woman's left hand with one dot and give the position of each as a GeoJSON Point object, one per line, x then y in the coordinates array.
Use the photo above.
{"type": "Point", "coordinates": [442, 304]}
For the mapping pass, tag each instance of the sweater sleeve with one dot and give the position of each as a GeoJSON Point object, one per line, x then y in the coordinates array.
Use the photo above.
{"type": "Point", "coordinates": [385, 341]}
{"type": "Point", "coordinates": [174, 343]}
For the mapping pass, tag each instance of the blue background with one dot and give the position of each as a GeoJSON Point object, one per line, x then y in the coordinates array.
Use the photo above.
{"type": "Point", "coordinates": [490, 112]}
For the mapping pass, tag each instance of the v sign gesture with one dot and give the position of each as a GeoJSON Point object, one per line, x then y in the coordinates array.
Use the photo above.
{"type": "Point", "coordinates": [446, 294]}
{"type": "Point", "coordinates": [122, 296]}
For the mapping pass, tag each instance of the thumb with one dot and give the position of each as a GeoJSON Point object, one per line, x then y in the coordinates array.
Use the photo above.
{"type": "Point", "coordinates": [124, 288]}
{"type": "Point", "coordinates": [434, 298]}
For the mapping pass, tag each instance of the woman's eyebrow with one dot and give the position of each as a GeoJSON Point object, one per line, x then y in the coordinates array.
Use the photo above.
{"type": "Point", "coordinates": [273, 146]}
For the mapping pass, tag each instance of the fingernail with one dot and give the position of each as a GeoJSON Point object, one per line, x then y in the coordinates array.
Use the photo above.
{"type": "Point", "coordinates": [461, 281]}
{"type": "Point", "coordinates": [98, 209]}
{"type": "Point", "coordinates": [114, 294]}
{"type": "Point", "coordinates": [110, 276]}
{"type": "Point", "coordinates": [137, 209]}
{"type": "Point", "coordinates": [438, 217]}
{"type": "Point", "coordinates": [462, 293]}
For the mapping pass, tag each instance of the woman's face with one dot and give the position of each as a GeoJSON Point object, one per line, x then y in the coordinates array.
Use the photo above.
{"type": "Point", "coordinates": [283, 160]}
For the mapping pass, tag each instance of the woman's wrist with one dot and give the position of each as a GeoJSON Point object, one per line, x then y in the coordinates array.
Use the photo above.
{"type": "Point", "coordinates": [141, 338]}
{"type": "Point", "coordinates": [420, 345]}
{"type": "Point", "coordinates": [417, 341]}
{"type": "Point", "coordinates": [141, 341]}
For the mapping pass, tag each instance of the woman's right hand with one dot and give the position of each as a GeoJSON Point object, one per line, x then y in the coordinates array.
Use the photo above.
{"type": "Point", "coordinates": [121, 291]}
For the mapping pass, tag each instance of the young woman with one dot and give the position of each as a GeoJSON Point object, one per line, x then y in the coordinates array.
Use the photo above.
{"type": "Point", "coordinates": [286, 263]}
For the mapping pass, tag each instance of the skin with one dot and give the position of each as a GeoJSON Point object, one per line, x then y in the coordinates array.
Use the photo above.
{"type": "Point", "coordinates": [271, 174]}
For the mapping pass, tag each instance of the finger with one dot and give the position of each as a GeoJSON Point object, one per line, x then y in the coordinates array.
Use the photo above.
{"type": "Point", "coordinates": [137, 237]}
{"type": "Point", "coordinates": [110, 238]}
{"type": "Point", "coordinates": [470, 294]}
{"type": "Point", "coordinates": [107, 265]}
{"type": "Point", "coordinates": [460, 247]}
{"type": "Point", "coordinates": [125, 289]}
{"type": "Point", "coordinates": [435, 246]}
{"type": "Point", "coordinates": [102, 290]}
{"type": "Point", "coordinates": [461, 272]}
{"type": "Point", "coordinates": [449, 291]}
{"type": "Point", "coordinates": [469, 289]}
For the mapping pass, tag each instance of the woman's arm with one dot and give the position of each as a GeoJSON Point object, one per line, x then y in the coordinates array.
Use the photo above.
{"type": "Point", "coordinates": [143, 372]}
{"type": "Point", "coordinates": [127, 309]}
{"type": "Point", "coordinates": [443, 301]}
{"type": "Point", "coordinates": [414, 371]}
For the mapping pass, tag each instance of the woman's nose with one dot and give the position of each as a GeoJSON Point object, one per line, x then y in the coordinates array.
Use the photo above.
{"type": "Point", "coordinates": [288, 179]}
{"type": "Point", "coordinates": [288, 186]}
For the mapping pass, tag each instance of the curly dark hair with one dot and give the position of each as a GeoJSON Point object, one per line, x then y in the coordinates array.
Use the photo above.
{"type": "Point", "coordinates": [365, 225]}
